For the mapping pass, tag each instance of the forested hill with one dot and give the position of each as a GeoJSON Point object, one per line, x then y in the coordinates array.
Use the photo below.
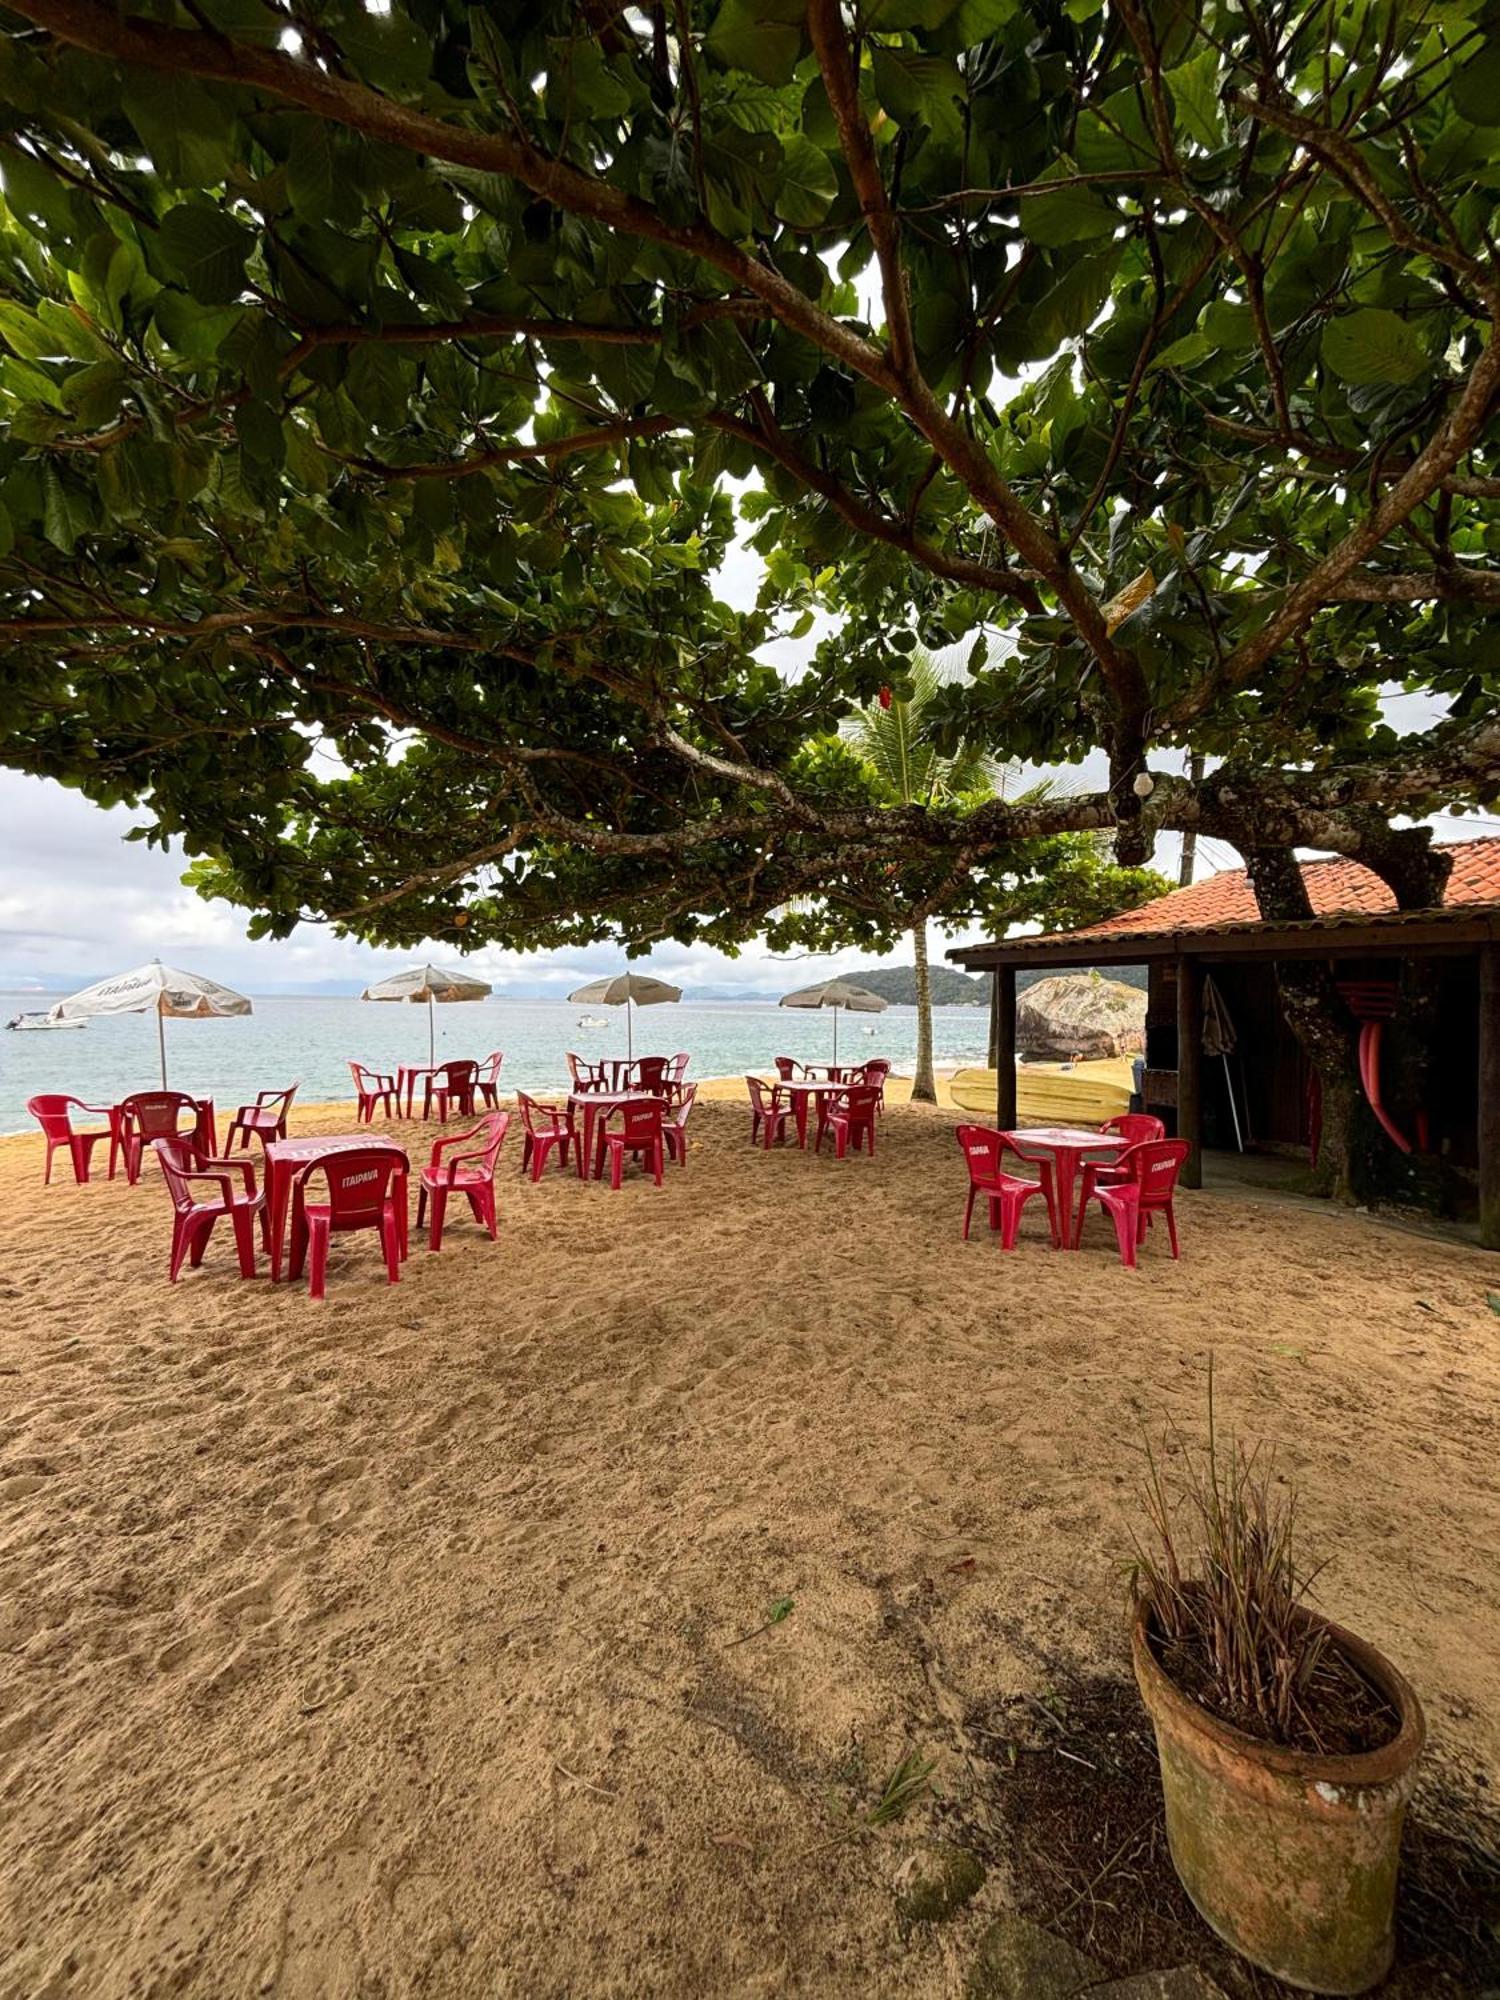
{"type": "Point", "coordinates": [952, 988]}
{"type": "Point", "coordinates": [898, 984]}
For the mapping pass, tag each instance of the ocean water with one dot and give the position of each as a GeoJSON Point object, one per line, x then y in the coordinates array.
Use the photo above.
{"type": "Point", "coordinates": [310, 1041]}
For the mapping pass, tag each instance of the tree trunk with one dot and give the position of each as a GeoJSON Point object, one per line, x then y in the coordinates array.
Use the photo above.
{"type": "Point", "coordinates": [924, 1088]}
{"type": "Point", "coordinates": [1190, 838]}
{"type": "Point", "coordinates": [1316, 1016]}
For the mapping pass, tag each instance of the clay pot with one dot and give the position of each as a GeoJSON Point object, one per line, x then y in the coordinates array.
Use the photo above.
{"type": "Point", "coordinates": [1290, 1857]}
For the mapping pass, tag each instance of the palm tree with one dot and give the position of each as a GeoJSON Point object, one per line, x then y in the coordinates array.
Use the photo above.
{"type": "Point", "coordinates": [897, 740]}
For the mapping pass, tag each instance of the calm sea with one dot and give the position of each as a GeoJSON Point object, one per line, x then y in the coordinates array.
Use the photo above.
{"type": "Point", "coordinates": [311, 1040]}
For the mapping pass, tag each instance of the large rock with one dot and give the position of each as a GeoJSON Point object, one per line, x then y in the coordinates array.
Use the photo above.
{"type": "Point", "coordinates": [1018, 1960]}
{"type": "Point", "coordinates": [1080, 1014]}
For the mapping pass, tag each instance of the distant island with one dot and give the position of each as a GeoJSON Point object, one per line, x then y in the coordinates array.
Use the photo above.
{"type": "Point", "coordinates": [898, 985]}
{"type": "Point", "coordinates": [951, 988]}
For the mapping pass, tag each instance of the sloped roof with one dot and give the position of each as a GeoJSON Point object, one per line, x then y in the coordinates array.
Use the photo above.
{"type": "Point", "coordinates": [1334, 888]}
{"type": "Point", "coordinates": [1352, 907]}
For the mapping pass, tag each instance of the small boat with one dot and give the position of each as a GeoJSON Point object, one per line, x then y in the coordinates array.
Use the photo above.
{"type": "Point", "coordinates": [592, 1021]}
{"type": "Point", "coordinates": [34, 1023]}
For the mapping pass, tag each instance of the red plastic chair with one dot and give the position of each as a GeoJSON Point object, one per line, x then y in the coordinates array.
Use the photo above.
{"type": "Point", "coordinates": [788, 1068]}
{"type": "Point", "coordinates": [366, 1190]}
{"type": "Point", "coordinates": [875, 1075]}
{"type": "Point", "coordinates": [487, 1083]}
{"type": "Point", "coordinates": [850, 1115]}
{"type": "Point", "coordinates": [544, 1126]}
{"type": "Point", "coordinates": [265, 1119]}
{"type": "Point", "coordinates": [471, 1174]}
{"type": "Point", "coordinates": [451, 1082]}
{"type": "Point", "coordinates": [674, 1128]}
{"type": "Point", "coordinates": [984, 1151]}
{"type": "Point", "coordinates": [372, 1087]}
{"type": "Point", "coordinates": [153, 1114]}
{"type": "Point", "coordinates": [650, 1073]}
{"type": "Point", "coordinates": [766, 1108]}
{"type": "Point", "coordinates": [184, 1165]}
{"type": "Point", "coordinates": [53, 1115]}
{"type": "Point", "coordinates": [1143, 1183]}
{"type": "Point", "coordinates": [584, 1075]}
{"type": "Point", "coordinates": [639, 1134]}
{"type": "Point", "coordinates": [1136, 1128]}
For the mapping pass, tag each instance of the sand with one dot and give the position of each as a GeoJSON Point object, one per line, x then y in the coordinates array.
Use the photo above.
{"type": "Point", "coordinates": [389, 1647]}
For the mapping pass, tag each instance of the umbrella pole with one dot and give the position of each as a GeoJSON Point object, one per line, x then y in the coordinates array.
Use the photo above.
{"type": "Point", "coordinates": [1239, 1141]}
{"type": "Point", "coordinates": [629, 1033]}
{"type": "Point", "coordinates": [161, 1043]}
{"type": "Point", "coordinates": [835, 1037]}
{"type": "Point", "coordinates": [431, 1031]}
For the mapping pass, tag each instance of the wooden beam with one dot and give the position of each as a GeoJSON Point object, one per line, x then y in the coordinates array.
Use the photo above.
{"type": "Point", "coordinates": [1003, 1041]}
{"type": "Point", "coordinates": [1190, 1067]}
{"type": "Point", "coordinates": [1457, 931]}
{"type": "Point", "coordinates": [1489, 1097]}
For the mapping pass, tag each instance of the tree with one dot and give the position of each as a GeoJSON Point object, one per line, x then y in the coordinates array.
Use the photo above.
{"type": "Point", "coordinates": [896, 740]}
{"type": "Point", "coordinates": [378, 385]}
{"type": "Point", "coordinates": [1068, 881]}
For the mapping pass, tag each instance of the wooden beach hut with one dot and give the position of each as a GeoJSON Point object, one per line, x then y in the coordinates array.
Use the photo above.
{"type": "Point", "coordinates": [1213, 930]}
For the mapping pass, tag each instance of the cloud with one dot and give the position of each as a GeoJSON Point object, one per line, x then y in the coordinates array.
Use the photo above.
{"type": "Point", "coordinates": [77, 901]}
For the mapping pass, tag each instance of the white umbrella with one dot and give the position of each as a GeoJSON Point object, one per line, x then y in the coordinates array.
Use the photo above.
{"type": "Point", "coordinates": [837, 993]}
{"type": "Point", "coordinates": [628, 990]}
{"type": "Point", "coordinates": [427, 983]}
{"type": "Point", "coordinates": [154, 989]}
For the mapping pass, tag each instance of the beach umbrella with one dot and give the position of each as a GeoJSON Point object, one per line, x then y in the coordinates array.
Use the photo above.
{"type": "Point", "coordinates": [154, 989]}
{"type": "Point", "coordinates": [426, 983]}
{"type": "Point", "coordinates": [1219, 1040]}
{"type": "Point", "coordinates": [837, 993]}
{"type": "Point", "coordinates": [628, 990]}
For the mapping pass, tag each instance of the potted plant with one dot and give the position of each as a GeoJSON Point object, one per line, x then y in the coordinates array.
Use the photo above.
{"type": "Point", "coordinates": [1288, 1746]}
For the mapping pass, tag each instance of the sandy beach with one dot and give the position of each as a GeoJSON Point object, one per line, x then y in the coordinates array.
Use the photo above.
{"type": "Point", "coordinates": [410, 1644]}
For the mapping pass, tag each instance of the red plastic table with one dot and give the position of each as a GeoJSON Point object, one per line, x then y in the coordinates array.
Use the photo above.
{"type": "Point", "coordinates": [408, 1075]}
{"type": "Point", "coordinates": [285, 1159]}
{"type": "Point", "coordinates": [1066, 1146]}
{"type": "Point", "coordinates": [800, 1089]}
{"type": "Point", "coordinates": [591, 1103]}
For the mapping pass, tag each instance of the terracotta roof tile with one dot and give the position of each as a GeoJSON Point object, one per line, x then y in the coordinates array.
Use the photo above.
{"type": "Point", "coordinates": [1333, 888]}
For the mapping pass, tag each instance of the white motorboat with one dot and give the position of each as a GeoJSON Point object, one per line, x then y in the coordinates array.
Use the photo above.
{"type": "Point", "coordinates": [592, 1021]}
{"type": "Point", "coordinates": [35, 1023]}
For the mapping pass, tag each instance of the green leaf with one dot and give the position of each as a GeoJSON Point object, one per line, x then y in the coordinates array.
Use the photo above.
{"type": "Point", "coordinates": [1373, 346]}
{"type": "Point", "coordinates": [311, 168]}
{"type": "Point", "coordinates": [1072, 215]}
{"type": "Point", "coordinates": [1195, 95]}
{"type": "Point", "coordinates": [206, 250]}
{"type": "Point", "coordinates": [977, 20]}
{"type": "Point", "coordinates": [807, 185]}
{"type": "Point", "coordinates": [1476, 87]}
{"type": "Point", "coordinates": [752, 36]}
{"type": "Point", "coordinates": [182, 126]}
{"type": "Point", "coordinates": [919, 89]}
{"type": "Point", "coordinates": [64, 514]}
{"type": "Point", "coordinates": [24, 333]}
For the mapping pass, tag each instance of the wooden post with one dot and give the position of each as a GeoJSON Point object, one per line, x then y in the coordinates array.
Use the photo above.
{"type": "Point", "coordinates": [1003, 1041]}
{"type": "Point", "coordinates": [1489, 1096]}
{"type": "Point", "coordinates": [1190, 1067]}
